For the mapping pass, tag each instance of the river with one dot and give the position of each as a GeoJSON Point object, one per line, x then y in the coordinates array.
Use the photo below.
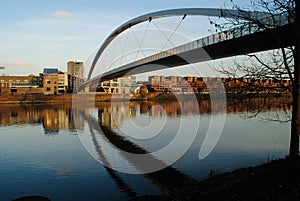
{"type": "Point", "coordinates": [56, 150]}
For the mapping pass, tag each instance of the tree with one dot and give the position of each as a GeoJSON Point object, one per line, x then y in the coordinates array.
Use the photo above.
{"type": "Point", "coordinates": [143, 92]}
{"type": "Point", "coordinates": [279, 65]}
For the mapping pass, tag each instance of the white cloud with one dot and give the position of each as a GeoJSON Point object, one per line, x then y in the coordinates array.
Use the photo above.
{"type": "Point", "coordinates": [16, 64]}
{"type": "Point", "coordinates": [63, 15]}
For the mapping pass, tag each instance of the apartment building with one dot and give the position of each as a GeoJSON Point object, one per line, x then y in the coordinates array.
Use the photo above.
{"type": "Point", "coordinates": [118, 86]}
{"type": "Point", "coordinates": [76, 68]}
{"type": "Point", "coordinates": [169, 83]}
{"type": "Point", "coordinates": [58, 82]}
{"type": "Point", "coordinates": [201, 84]}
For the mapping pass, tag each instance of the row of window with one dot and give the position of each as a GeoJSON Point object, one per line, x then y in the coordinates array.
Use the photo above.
{"type": "Point", "coordinates": [18, 81]}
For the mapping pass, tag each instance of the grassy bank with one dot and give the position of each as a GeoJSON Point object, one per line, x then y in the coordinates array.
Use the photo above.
{"type": "Point", "coordinates": [272, 181]}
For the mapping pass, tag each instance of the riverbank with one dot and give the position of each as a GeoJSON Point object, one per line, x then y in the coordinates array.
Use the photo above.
{"type": "Point", "coordinates": [104, 97]}
{"type": "Point", "coordinates": [271, 181]}
{"type": "Point", "coordinates": [87, 97]}
{"type": "Point", "coordinates": [57, 99]}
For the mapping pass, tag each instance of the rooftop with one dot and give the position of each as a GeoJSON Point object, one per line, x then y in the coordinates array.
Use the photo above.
{"type": "Point", "coordinates": [50, 71]}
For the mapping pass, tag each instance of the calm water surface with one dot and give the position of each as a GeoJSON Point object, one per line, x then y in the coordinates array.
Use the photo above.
{"type": "Point", "coordinates": [41, 152]}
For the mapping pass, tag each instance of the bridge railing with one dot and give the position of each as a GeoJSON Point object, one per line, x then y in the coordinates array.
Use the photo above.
{"type": "Point", "coordinates": [240, 31]}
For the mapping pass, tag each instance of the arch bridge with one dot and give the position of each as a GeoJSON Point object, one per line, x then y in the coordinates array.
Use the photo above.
{"type": "Point", "coordinates": [237, 41]}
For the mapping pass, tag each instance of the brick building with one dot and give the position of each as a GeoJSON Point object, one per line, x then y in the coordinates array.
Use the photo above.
{"type": "Point", "coordinates": [51, 81]}
{"type": "Point", "coordinates": [201, 84]}
{"type": "Point", "coordinates": [20, 84]}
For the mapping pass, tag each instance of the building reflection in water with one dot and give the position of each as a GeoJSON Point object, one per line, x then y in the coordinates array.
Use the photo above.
{"type": "Point", "coordinates": [59, 117]}
{"type": "Point", "coordinates": [52, 117]}
{"type": "Point", "coordinates": [50, 121]}
{"type": "Point", "coordinates": [114, 114]}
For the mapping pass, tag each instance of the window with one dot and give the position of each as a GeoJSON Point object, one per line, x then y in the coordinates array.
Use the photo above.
{"type": "Point", "coordinates": [48, 82]}
{"type": "Point", "coordinates": [48, 89]}
{"type": "Point", "coordinates": [14, 114]}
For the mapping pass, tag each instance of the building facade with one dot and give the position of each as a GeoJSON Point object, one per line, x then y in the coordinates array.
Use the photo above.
{"type": "Point", "coordinates": [58, 82]}
{"type": "Point", "coordinates": [76, 69]}
{"type": "Point", "coordinates": [20, 85]}
{"type": "Point", "coordinates": [204, 84]}
{"type": "Point", "coordinates": [62, 82]}
{"type": "Point", "coordinates": [50, 80]}
{"type": "Point", "coordinates": [119, 86]}
{"type": "Point", "coordinates": [169, 83]}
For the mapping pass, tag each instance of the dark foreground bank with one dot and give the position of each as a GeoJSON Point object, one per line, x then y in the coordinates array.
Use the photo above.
{"type": "Point", "coordinates": [272, 181]}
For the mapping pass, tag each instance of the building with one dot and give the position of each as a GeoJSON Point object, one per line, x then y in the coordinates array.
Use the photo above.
{"type": "Point", "coordinates": [50, 80]}
{"type": "Point", "coordinates": [169, 83]}
{"type": "Point", "coordinates": [20, 85]}
{"type": "Point", "coordinates": [76, 69]}
{"type": "Point", "coordinates": [58, 82]}
{"type": "Point", "coordinates": [73, 83]}
{"type": "Point", "coordinates": [62, 82]}
{"type": "Point", "coordinates": [8, 81]}
{"type": "Point", "coordinates": [120, 85]}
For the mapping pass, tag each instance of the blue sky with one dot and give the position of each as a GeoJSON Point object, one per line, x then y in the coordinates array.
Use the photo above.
{"type": "Point", "coordinates": [36, 34]}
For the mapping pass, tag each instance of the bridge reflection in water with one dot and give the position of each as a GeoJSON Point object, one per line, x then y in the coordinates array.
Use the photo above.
{"type": "Point", "coordinates": [256, 147]}
{"type": "Point", "coordinates": [103, 126]}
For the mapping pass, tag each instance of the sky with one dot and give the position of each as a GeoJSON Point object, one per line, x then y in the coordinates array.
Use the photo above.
{"type": "Point", "coordinates": [35, 34]}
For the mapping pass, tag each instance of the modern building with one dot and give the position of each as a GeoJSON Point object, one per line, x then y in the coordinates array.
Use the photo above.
{"type": "Point", "coordinates": [73, 83]}
{"type": "Point", "coordinates": [62, 82]}
{"type": "Point", "coordinates": [120, 85]}
{"type": "Point", "coordinates": [76, 69]}
{"type": "Point", "coordinates": [55, 81]}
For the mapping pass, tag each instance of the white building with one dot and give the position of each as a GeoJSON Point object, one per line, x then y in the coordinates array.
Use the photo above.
{"type": "Point", "coordinates": [119, 86]}
{"type": "Point", "coordinates": [62, 82]}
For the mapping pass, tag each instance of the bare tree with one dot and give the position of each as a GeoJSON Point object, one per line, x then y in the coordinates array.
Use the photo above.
{"type": "Point", "coordinates": [280, 65]}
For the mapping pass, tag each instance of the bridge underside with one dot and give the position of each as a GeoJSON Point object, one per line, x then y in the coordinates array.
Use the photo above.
{"type": "Point", "coordinates": [261, 41]}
